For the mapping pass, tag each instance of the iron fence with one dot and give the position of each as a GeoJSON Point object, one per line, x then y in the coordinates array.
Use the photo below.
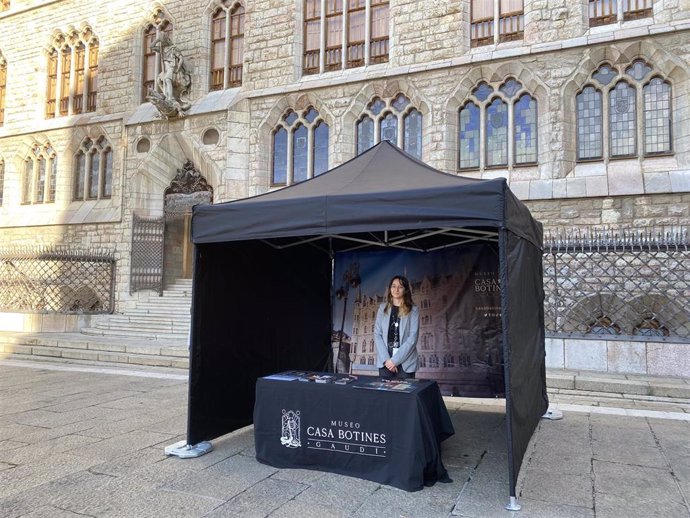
{"type": "Point", "coordinates": [621, 283]}
{"type": "Point", "coordinates": [148, 247]}
{"type": "Point", "coordinates": [56, 280]}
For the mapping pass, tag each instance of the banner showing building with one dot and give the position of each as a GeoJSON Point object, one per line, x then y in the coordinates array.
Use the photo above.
{"type": "Point", "coordinates": [458, 295]}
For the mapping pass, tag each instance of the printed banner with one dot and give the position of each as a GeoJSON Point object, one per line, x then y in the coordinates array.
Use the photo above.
{"type": "Point", "coordinates": [458, 295]}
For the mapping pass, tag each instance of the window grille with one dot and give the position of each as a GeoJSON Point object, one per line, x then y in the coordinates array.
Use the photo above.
{"type": "Point", "coordinates": [618, 282]}
{"type": "Point", "coordinates": [56, 280]}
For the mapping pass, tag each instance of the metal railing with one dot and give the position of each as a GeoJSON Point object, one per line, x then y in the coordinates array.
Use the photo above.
{"type": "Point", "coordinates": [621, 283]}
{"type": "Point", "coordinates": [56, 280]}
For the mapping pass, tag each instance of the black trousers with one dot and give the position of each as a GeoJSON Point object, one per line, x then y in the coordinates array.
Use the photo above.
{"type": "Point", "coordinates": [400, 375]}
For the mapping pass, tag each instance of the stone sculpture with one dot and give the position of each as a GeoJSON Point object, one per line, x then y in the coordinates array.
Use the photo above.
{"type": "Point", "coordinates": [173, 83]}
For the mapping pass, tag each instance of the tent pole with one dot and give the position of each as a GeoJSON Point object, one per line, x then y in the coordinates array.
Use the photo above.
{"type": "Point", "coordinates": [183, 449]}
{"type": "Point", "coordinates": [503, 279]}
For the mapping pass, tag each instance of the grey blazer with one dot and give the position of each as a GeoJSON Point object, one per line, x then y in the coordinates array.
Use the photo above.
{"type": "Point", "coordinates": [407, 356]}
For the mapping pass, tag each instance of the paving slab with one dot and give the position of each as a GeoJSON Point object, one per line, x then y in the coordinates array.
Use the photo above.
{"type": "Point", "coordinates": [90, 441]}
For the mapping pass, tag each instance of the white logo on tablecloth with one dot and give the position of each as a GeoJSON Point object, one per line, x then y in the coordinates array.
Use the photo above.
{"type": "Point", "coordinates": [290, 437]}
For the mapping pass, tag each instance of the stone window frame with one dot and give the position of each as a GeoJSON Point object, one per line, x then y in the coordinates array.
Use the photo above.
{"type": "Point", "coordinates": [229, 75]}
{"type": "Point", "coordinates": [82, 178]}
{"type": "Point", "coordinates": [41, 160]}
{"type": "Point", "coordinates": [620, 74]}
{"type": "Point", "coordinates": [71, 73]}
{"type": "Point", "coordinates": [291, 122]}
{"type": "Point", "coordinates": [159, 22]}
{"type": "Point", "coordinates": [482, 105]}
{"type": "Point", "coordinates": [388, 108]}
{"type": "Point", "coordinates": [3, 87]}
{"type": "Point", "coordinates": [352, 53]}
{"type": "Point", "coordinates": [601, 12]}
{"type": "Point", "coordinates": [499, 27]}
{"type": "Point", "coordinates": [2, 181]}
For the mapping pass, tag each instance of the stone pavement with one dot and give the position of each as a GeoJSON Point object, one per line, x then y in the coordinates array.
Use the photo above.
{"type": "Point", "coordinates": [79, 440]}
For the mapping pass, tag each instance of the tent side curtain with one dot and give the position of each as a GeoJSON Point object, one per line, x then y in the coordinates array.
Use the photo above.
{"type": "Point", "coordinates": [519, 220]}
{"type": "Point", "coordinates": [524, 332]}
{"type": "Point", "coordinates": [256, 311]}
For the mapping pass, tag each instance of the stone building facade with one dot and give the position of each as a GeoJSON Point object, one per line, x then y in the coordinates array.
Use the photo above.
{"type": "Point", "coordinates": [602, 137]}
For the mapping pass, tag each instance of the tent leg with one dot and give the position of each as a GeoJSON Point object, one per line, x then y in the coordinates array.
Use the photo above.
{"type": "Point", "coordinates": [553, 413]}
{"type": "Point", "coordinates": [513, 504]}
{"type": "Point", "coordinates": [188, 451]}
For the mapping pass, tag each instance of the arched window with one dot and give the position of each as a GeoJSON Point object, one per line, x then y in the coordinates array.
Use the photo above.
{"type": "Point", "coordinates": [497, 133]}
{"type": "Point", "coordinates": [657, 116]}
{"type": "Point", "coordinates": [603, 325]}
{"type": "Point", "coordinates": [72, 82]}
{"type": "Point", "coordinates": [152, 66]}
{"type": "Point", "coordinates": [422, 361]}
{"type": "Point", "coordinates": [469, 148]}
{"type": "Point", "coordinates": [394, 120]}
{"type": "Point", "coordinates": [305, 153]}
{"type": "Point", "coordinates": [433, 361]}
{"type": "Point", "coordinates": [371, 346]}
{"type": "Point", "coordinates": [39, 178]}
{"type": "Point", "coordinates": [3, 87]}
{"type": "Point", "coordinates": [345, 26]}
{"type": "Point", "coordinates": [93, 170]}
{"type": "Point", "coordinates": [622, 120]}
{"type": "Point", "coordinates": [638, 110]}
{"type": "Point", "coordinates": [650, 326]}
{"type": "Point", "coordinates": [507, 137]}
{"type": "Point", "coordinates": [227, 45]}
{"type": "Point", "coordinates": [589, 124]}
{"type": "Point", "coordinates": [525, 134]}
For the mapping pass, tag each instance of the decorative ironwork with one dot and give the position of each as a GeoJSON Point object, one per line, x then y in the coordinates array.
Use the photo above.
{"type": "Point", "coordinates": [620, 283]}
{"type": "Point", "coordinates": [147, 254]}
{"type": "Point", "coordinates": [56, 280]}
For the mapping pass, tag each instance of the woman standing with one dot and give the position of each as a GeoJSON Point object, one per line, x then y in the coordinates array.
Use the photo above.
{"type": "Point", "coordinates": [396, 332]}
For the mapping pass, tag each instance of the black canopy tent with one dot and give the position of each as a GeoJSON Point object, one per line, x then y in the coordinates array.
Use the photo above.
{"type": "Point", "coordinates": [263, 279]}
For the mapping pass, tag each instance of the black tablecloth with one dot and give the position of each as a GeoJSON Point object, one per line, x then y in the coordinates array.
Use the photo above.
{"type": "Point", "coordinates": [387, 437]}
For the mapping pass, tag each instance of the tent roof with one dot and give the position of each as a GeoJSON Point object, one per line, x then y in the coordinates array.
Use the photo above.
{"type": "Point", "coordinates": [383, 189]}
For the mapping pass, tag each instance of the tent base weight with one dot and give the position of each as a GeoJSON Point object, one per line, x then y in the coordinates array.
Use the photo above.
{"type": "Point", "coordinates": [513, 504]}
{"type": "Point", "coordinates": [553, 414]}
{"type": "Point", "coordinates": [188, 451]}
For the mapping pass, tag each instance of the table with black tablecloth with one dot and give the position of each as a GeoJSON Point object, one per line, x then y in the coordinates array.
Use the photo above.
{"type": "Point", "coordinates": [385, 436]}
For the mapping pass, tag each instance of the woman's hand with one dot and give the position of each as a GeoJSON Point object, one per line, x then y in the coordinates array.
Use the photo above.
{"type": "Point", "coordinates": [390, 366]}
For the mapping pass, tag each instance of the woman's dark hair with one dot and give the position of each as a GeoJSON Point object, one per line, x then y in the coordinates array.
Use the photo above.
{"type": "Point", "coordinates": [407, 303]}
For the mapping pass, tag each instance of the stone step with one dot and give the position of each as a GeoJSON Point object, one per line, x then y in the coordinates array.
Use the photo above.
{"type": "Point", "coordinates": [144, 329]}
{"type": "Point", "coordinates": [157, 336]}
{"type": "Point", "coordinates": [74, 347]}
{"type": "Point", "coordinates": [145, 318]}
{"type": "Point", "coordinates": [167, 305]}
{"type": "Point", "coordinates": [186, 293]}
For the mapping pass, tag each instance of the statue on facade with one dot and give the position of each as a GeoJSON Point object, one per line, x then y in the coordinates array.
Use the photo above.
{"type": "Point", "coordinates": [173, 83]}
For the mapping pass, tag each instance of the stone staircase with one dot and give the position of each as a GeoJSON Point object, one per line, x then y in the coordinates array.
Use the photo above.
{"type": "Point", "coordinates": [152, 330]}
{"type": "Point", "coordinates": [152, 317]}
